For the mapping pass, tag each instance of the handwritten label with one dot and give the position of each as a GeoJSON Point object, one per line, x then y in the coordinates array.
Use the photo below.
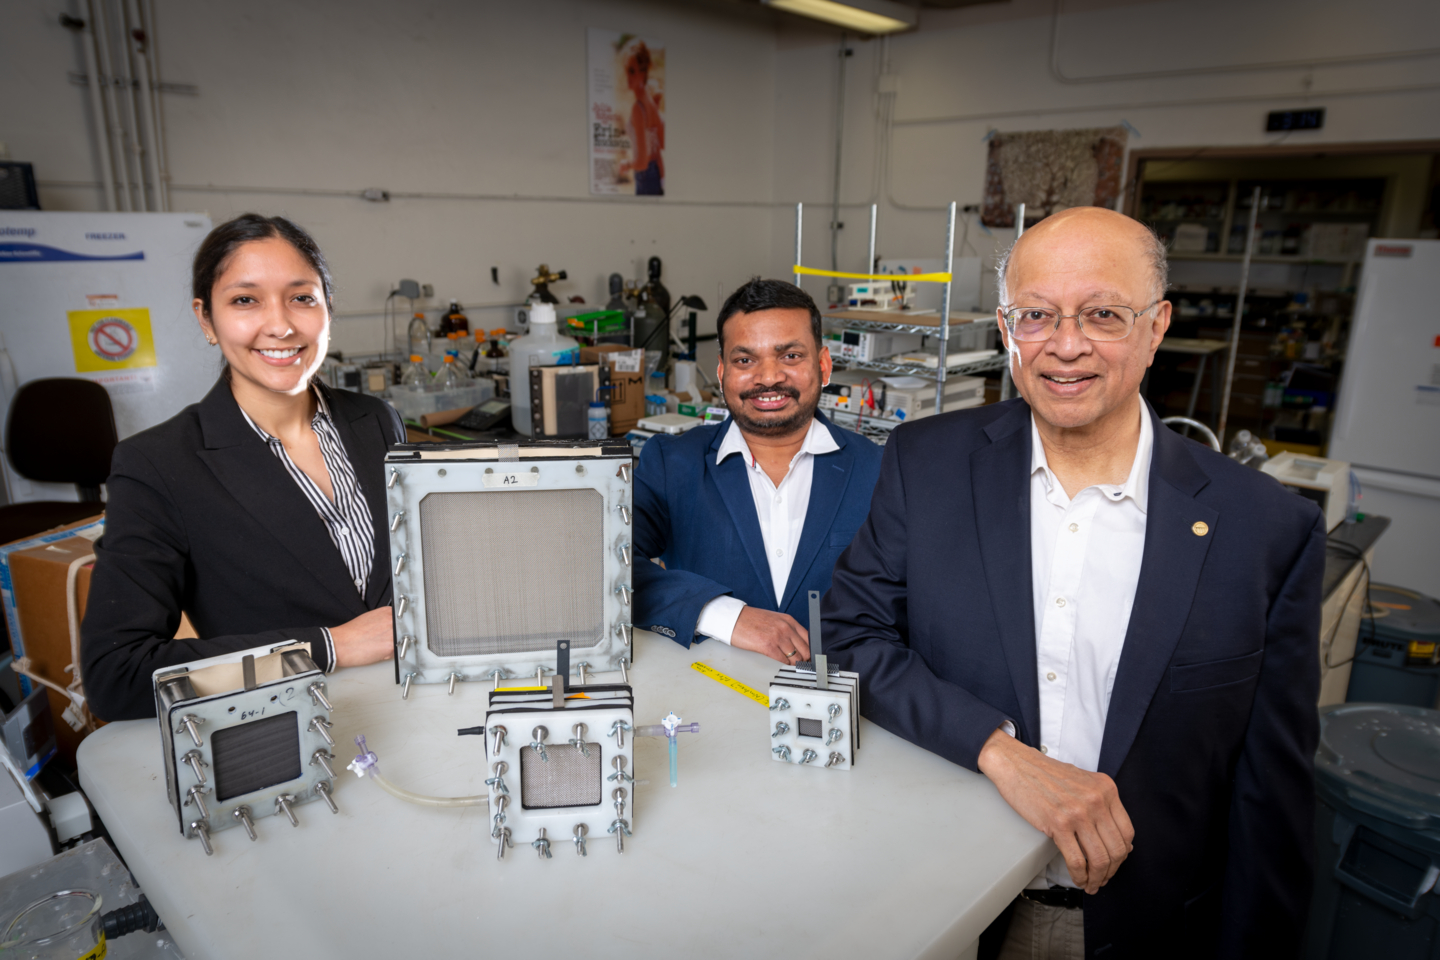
{"type": "Point", "coordinates": [732, 683]}
{"type": "Point", "coordinates": [508, 480]}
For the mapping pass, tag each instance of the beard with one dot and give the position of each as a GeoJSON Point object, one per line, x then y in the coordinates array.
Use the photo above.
{"type": "Point", "coordinates": [777, 424]}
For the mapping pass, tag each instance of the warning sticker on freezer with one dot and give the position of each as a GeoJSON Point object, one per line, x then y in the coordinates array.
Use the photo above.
{"type": "Point", "coordinates": [105, 340]}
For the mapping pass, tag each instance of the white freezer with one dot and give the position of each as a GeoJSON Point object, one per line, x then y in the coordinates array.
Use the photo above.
{"type": "Point", "coordinates": [105, 296]}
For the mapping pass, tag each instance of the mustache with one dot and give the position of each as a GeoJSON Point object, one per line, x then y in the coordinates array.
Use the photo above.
{"type": "Point", "coordinates": [761, 391]}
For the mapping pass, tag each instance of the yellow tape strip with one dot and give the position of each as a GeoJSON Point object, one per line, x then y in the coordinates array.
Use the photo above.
{"type": "Point", "coordinates": [907, 277]}
{"type": "Point", "coordinates": [732, 683]}
{"type": "Point", "coordinates": [568, 696]}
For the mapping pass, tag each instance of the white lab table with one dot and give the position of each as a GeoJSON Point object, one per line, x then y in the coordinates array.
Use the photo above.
{"type": "Point", "coordinates": [907, 855]}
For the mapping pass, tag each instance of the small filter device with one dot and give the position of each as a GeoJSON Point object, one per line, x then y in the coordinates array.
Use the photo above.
{"type": "Point", "coordinates": [502, 550]}
{"type": "Point", "coordinates": [245, 736]}
{"type": "Point", "coordinates": [814, 718]}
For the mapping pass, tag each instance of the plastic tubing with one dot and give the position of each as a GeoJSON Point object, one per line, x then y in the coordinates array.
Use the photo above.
{"type": "Point", "coordinates": [658, 729]}
{"type": "Point", "coordinates": [367, 765]}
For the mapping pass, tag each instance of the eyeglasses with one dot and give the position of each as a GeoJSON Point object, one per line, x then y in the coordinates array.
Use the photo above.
{"type": "Point", "coordinates": [1110, 322]}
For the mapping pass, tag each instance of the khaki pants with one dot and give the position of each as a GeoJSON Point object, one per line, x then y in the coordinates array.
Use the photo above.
{"type": "Point", "coordinates": [1038, 932]}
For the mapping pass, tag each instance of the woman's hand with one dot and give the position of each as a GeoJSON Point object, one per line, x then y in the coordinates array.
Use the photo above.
{"type": "Point", "coordinates": [369, 638]}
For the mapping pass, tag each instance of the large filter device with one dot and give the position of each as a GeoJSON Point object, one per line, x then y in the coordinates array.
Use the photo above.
{"type": "Point", "coordinates": [502, 550]}
{"type": "Point", "coordinates": [561, 766]}
{"type": "Point", "coordinates": [246, 735]}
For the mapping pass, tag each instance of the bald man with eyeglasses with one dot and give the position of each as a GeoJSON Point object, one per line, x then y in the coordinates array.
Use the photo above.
{"type": "Point", "coordinates": [1115, 624]}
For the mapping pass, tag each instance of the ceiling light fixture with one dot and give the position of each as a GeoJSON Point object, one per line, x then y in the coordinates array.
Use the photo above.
{"type": "Point", "coordinates": [863, 16]}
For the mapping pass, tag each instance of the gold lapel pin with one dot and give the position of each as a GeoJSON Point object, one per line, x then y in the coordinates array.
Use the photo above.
{"type": "Point", "coordinates": [1200, 528]}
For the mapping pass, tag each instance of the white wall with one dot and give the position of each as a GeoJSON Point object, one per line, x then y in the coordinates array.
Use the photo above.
{"type": "Point", "coordinates": [971, 70]}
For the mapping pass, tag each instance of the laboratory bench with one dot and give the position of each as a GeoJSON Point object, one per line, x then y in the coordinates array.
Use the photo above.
{"type": "Point", "coordinates": [1349, 551]}
{"type": "Point", "coordinates": [905, 855]}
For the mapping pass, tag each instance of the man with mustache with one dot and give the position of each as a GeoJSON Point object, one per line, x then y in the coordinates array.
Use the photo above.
{"type": "Point", "coordinates": [749, 515]}
{"type": "Point", "coordinates": [1116, 625]}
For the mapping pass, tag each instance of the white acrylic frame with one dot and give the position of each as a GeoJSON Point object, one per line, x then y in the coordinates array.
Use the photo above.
{"type": "Point", "coordinates": [559, 823]}
{"type": "Point", "coordinates": [464, 470]}
{"type": "Point", "coordinates": [812, 704]}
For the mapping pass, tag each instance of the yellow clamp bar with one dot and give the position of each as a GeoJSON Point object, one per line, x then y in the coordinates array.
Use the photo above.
{"type": "Point", "coordinates": [905, 277]}
{"type": "Point", "coordinates": [732, 683]}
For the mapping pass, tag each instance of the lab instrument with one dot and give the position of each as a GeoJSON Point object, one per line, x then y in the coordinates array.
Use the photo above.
{"type": "Point", "coordinates": [1327, 482]}
{"type": "Point", "coordinates": [814, 708]}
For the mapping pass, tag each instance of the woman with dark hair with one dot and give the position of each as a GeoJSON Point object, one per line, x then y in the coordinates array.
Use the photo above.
{"type": "Point", "coordinates": [259, 511]}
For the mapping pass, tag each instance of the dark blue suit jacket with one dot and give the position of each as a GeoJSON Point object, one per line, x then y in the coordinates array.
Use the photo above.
{"type": "Point", "coordinates": [700, 519]}
{"type": "Point", "coordinates": [1212, 724]}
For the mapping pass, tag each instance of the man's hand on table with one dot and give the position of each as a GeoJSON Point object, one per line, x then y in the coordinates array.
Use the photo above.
{"type": "Point", "coordinates": [369, 638]}
{"type": "Point", "coordinates": [1079, 810]}
{"type": "Point", "coordinates": [776, 635]}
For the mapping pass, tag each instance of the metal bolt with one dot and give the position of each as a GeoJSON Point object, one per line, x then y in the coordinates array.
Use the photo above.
{"type": "Point", "coordinates": [617, 730]}
{"type": "Point", "coordinates": [539, 676]}
{"type": "Point", "coordinates": [625, 553]}
{"type": "Point", "coordinates": [833, 710]}
{"type": "Point", "coordinates": [453, 677]}
{"type": "Point", "coordinates": [188, 723]}
{"type": "Point", "coordinates": [542, 845]}
{"type": "Point", "coordinates": [578, 741]}
{"type": "Point", "coordinates": [323, 788]}
{"type": "Point", "coordinates": [405, 690]}
{"type": "Point", "coordinates": [201, 829]}
{"type": "Point", "coordinates": [322, 726]}
{"type": "Point", "coordinates": [405, 642]}
{"type": "Point", "coordinates": [625, 514]}
{"type": "Point", "coordinates": [501, 836]}
{"type": "Point", "coordinates": [619, 795]}
{"type": "Point", "coordinates": [498, 732]}
{"type": "Point", "coordinates": [625, 472]}
{"type": "Point", "coordinates": [395, 524]}
{"type": "Point", "coordinates": [781, 728]}
{"type": "Point", "coordinates": [834, 736]}
{"type": "Point", "coordinates": [624, 669]}
{"type": "Point", "coordinates": [780, 704]}
{"type": "Point", "coordinates": [400, 564]}
{"type": "Point", "coordinates": [618, 762]}
{"type": "Point", "coordinates": [400, 607]}
{"type": "Point", "coordinates": [283, 802]}
{"type": "Point", "coordinates": [537, 742]}
{"type": "Point", "coordinates": [624, 592]}
{"type": "Point", "coordinates": [394, 475]}
{"type": "Point", "coordinates": [498, 780]}
{"type": "Point", "coordinates": [323, 759]}
{"type": "Point", "coordinates": [196, 796]}
{"type": "Point", "coordinates": [621, 829]}
{"type": "Point", "coordinates": [834, 759]}
{"type": "Point", "coordinates": [584, 669]}
{"type": "Point", "coordinates": [580, 831]}
{"type": "Point", "coordinates": [496, 675]}
{"type": "Point", "coordinates": [808, 755]}
{"type": "Point", "coordinates": [317, 694]}
{"type": "Point", "coordinates": [242, 813]}
{"type": "Point", "coordinates": [782, 751]}
{"type": "Point", "coordinates": [196, 761]}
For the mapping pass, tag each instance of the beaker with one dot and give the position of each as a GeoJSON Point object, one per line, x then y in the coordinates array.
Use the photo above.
{"type": "Point", "coordinates": [63, 926]}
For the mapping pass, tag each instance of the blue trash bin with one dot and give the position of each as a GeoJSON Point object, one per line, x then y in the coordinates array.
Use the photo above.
{"type": "Point", "coordinates": [1377, 834]}
{"type": "Point", "coordinates": [1398, 648]}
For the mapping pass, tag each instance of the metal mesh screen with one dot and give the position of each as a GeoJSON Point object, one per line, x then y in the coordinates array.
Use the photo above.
{"type": "Point", "coordinates": [809, 728]}
{"type": "Point", "coordinates": [568, 779]}
{"type": "Point", "coordinates": [510, 571]}
{"type": "Point", "coordinates": [255, 755]}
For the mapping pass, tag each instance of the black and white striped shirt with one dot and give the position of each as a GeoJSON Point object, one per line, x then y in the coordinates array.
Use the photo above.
{"type": "Point", "coordinates": [347, 518]}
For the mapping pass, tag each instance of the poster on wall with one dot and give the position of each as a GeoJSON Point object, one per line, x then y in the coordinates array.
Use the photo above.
{"type": "Point", "coordinates": [627, 114]}
{"type": "Point", "coordinates": [1050, 171]}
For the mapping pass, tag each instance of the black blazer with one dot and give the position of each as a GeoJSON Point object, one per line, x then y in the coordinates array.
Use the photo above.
{"type": "Point", "coordinates": [1212, 724]}
{"type": "Point", "coordinates": [203, 518]}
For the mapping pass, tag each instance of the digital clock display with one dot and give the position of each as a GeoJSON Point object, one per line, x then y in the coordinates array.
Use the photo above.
{"type": "Point", "coordinates": [1280, 120]}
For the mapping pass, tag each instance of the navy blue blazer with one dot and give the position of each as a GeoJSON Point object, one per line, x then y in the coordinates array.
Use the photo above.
{"type": "Point", "coordinates": [1212, 726]}
{"type": "Point", "coordinates": [700, 519]}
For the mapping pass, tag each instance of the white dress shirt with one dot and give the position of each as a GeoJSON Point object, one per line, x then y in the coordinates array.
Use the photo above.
{"type": "Point", "coordinates": [1085, 557]}
{"type": "Point", "coordinates": [781, 511]}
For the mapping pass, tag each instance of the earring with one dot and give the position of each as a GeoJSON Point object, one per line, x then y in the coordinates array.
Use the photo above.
{"type": "Point", "coordinates": [211, 341]}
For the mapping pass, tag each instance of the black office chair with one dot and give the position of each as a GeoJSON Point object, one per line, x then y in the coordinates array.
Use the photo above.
{"type": "Point", "coordinates": [60, 430]}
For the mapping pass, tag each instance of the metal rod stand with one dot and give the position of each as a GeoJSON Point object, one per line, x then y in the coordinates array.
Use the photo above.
{"type": "Point", "coordinates": [1239, 314]}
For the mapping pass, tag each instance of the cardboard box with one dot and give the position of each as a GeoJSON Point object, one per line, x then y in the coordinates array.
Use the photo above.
{"type": "Point", "coordinates": [627, 396]}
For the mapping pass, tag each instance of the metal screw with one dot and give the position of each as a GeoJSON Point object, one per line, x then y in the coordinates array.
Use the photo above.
{"type": "Point", "coordinates": [624, 669]}
{"type": "Point", "coordinates": [618, 762]}
{"type": "Point", "coordinates": [188, 723]}
{"type": "Point", "coordinates": [625, 553]}
{"type": "Point", "coordinates": [833, 710]}
{"type": "Point", "coordinates": [498, 780]}
{"type": "Point", "coordinates": [782, 751]}
{"type": "Point", "coordinates": [621, 829]}
{"type": "Point", "coordinates": [619, 795]}
{"type": "Point", "coordinates": [317, 695]}
{"type": "Point", "coordinates": [625, 472]}
{"type": "Point", "coordinates": [780, 704]}
{"type": "Point", "coordinates": [834, 736]}
{"type": "Point", "coordinates": [405, 642]}
{"type": "Point", "coordinates": [498, 732]}
{"type": "Point", "coordinates": [580, 831]}
{"type": "Point", "coordinates": [400, 564]}
{"type": "Point", "coordinates": [405, 690]}
{"type": "Point", "coordinates": [781, 728]}
{"type": "Point", "coordinates": [584, 668]}
{"type": "Point", "coordinates": [323, 788]}
{"type": "Point", "coordinates": [322, 726]}
{"type": "Point", "coordinates": [496, 676]}
{"type": "Point", "coordinates": [323, 759]}
{"type": "Point", "coordinates": [394, 475]}
{"type": "Point", "coordinates": [624, 592]}
{"type": "Point", "coordinates": [196, 796]}
{"type": "Point", "coordinates": [201, 829]}
{"type": "Point", "coordinates": [539, 676]}
{"type": "Point", "coordinates": [542, 845]}
{"type": "Point", "coordinates": [242, 813]}
{"type": "Point", "coordinates": [453, 677]}
{"type": "Point", "coordinates": [537, 742]}
{"type": "Point", "coordinates": [501, 835]}
{"type": "Point", "coordinates": [400, 607]}
{"type": "Point", "coordinates": [283, 802]}
{"type": "Point", "coordinates": [808, 755]}
{"type": "Point", "coordinates": [625, 514]}
{"type": "Point", "coordinates": [834, 759]}
{"type": "Point", "coordinates": [617, 730]}
{"type": "Point", "coordinates": [196, 761]}
{"type": "Point", "coordinates": [395, 524]}
{"type": "Point", "coordinates": [578, 741]}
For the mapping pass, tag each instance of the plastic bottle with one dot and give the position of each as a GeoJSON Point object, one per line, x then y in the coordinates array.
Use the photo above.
{"type": "Point", "coordinates": [415, 377]}
{"type": "Point", "coordinates": [598, 420]}
{"type": "Point", "coordinates": [452, 375]}
{"type": "Point", "coordinates": [543, 346]}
